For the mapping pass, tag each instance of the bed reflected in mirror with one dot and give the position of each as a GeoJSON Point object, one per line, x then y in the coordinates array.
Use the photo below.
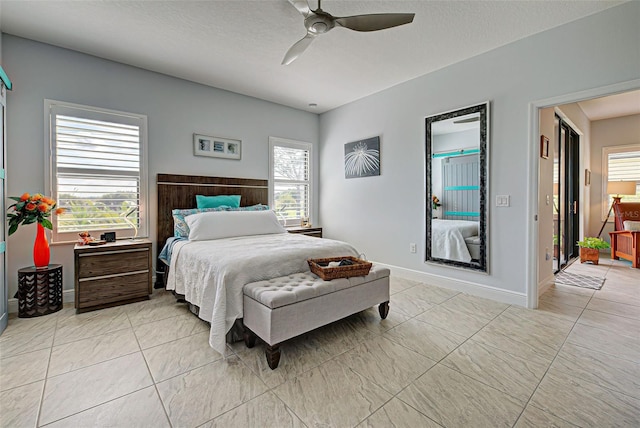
{"type": "Point", "coordinates": [456, 187]}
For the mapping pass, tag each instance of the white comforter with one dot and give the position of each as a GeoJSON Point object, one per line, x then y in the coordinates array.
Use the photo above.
{"type": "Point", "coordinates": [211, 274]}
{"type": "Point", "coordinates": [447, 239]}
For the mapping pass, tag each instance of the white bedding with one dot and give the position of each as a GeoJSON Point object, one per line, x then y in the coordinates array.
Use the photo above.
{"type": "Point", "coordinates": [447, 239]}
{"type": "Point", "coordinates": [211, 274]}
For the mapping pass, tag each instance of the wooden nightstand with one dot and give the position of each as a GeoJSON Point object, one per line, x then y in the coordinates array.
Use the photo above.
{"type": "Point", "coordinates": [316, 232]}
{"type": "Point", "coordinates": [112, 274]}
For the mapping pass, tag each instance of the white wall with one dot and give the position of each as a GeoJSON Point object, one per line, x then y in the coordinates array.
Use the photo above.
{"type": "Point", "coordinates": [618, 131]}
{"type": "Point", "coordinates": [175, 109]}
{"type": "Point", "coordinates": [382, 215]}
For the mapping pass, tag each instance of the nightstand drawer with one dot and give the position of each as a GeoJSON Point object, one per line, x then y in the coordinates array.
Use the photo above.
{"type": "Point", "coordinates": [113, 262]}
{"type": "Point", "coordinates": [112, 274]}
{"type": "Point", "coordinates": [108, 289]}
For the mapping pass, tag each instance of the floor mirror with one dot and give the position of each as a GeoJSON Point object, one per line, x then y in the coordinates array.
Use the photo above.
{"type": "Point", "coordinates": [457, 147]}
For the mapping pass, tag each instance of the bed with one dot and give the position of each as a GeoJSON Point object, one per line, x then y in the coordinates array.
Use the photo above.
{"type": "Point", "coordinates": [455, 240]}
{"type": "Point", "coordinates": [210, 273]}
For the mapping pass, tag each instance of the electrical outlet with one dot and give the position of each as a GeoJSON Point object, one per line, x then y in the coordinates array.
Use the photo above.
{"type": "Point", "coordinates": [412, 248]}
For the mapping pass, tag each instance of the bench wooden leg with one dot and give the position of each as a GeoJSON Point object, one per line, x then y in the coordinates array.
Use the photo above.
{"type": "Point", "coordinates": [273, 356]}
{"type": "Point", "coordinates": [249, 338]}
{"type": "Point", "coordinates": [383, 309]}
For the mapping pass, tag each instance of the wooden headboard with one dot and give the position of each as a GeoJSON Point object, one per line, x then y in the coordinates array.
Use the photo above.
{"type": "Point", "coordinates": [179, 192]}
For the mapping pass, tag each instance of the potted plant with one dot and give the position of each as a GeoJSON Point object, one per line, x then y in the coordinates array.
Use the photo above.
{"type": "Point", "coordinates": [590, 249]}
{"type": "Point", "coordinates": [435, 202]}
{"type": "Point", "coordinates": [37, 209]}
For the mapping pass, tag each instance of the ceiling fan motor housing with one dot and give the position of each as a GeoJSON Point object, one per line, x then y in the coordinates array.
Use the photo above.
{"type": "Point", "coordinates": [319, 22]}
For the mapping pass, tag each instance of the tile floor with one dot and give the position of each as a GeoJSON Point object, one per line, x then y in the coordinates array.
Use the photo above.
{"type": "Point", "coordinates": [441, 358]}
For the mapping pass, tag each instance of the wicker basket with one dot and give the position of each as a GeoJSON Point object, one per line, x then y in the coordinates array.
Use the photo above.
{"type": "Point", "coordinates": [320, 268]}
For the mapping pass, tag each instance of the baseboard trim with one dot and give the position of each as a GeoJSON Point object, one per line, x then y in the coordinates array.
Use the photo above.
{"type": "Point", "coordinates": [545, 284]}
{"type": "Point", "coordinates": [473, 288]}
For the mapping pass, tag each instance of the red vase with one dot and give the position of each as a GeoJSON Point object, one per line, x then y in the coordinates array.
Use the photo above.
{"type": "Point", "coordinates": [41, 252]}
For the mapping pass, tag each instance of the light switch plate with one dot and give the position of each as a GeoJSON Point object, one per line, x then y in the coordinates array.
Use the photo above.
{"type": "Point", "coordinates": [503, 200]}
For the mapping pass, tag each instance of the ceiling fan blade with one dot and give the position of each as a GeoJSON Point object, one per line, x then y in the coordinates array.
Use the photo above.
{"type": "Point", "coordinates": [302, 6]}
{"type": "Point", "coordinates": [374, 22]}
{"type": "Point", "coordinates": [297, 49]}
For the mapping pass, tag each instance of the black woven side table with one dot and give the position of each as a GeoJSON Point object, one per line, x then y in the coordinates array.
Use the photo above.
{"type": "Point", "coordinates": [39, 291]}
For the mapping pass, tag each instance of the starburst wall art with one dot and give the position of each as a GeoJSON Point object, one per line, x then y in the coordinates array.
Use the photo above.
{"type": "Point", "coordinates": [362, 158]}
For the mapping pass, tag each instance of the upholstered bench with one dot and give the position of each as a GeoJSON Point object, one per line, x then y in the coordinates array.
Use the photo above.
{"type": "Point", "coordinates": [281, 308]}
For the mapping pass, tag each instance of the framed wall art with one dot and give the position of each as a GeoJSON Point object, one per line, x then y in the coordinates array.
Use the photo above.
{"type": "Point", "coordinates": [216, 147]}
{"type": "Point", "coordinates": [362, 158]}
{"type": "Point", "coordinates": [544, 147]}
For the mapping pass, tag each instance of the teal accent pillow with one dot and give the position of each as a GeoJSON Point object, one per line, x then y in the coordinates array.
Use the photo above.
{"type": "Point", "coordinates": [232, 201]}
{"type": "Point", "coordinates": [180, 227]}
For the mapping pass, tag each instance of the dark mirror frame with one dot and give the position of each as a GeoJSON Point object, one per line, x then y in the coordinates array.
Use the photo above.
{"type": "Point", "coordinates": [483, 110]}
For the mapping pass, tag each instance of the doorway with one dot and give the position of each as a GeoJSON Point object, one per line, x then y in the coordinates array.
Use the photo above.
{"type": "Point", "coordinates": [540, 272]}
{"type": "Point", "coordinates": [566, 194]}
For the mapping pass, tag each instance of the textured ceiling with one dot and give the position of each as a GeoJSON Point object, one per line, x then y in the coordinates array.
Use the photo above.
{"type": "Point", "coordinates": [238, 45]}
{"type": "Point", "coordinates": [624, 104]}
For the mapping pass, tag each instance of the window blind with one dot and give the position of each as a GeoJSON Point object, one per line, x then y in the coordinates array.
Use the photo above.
{"type": "Point", "coordinates": [620, 163]}
{"type": "Point", "coordinates": [625, 166]}
{"type": "Point", "coordinates": [291, 182]}
{"type": "Point", "coordinates": [96, 171]}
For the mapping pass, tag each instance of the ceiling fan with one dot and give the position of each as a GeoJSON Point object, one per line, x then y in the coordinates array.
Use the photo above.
{"type": "Point", "coordinates": [319, 22]}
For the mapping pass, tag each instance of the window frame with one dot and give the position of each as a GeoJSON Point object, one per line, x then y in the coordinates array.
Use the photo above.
{"type": "Point", "coordinates": [292, 144]}
{"type": "Point", "coordinates": [52, 107]}
{"type": "Point", "coordinates": [606, 198]}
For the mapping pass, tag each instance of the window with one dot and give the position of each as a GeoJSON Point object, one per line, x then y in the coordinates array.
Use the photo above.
{"type": "Point", "coordinates": [97, 170]}
{"type": "Point", "coordinates": [620, 163]}
{"type": "Point", "coordinates": [290, 180]}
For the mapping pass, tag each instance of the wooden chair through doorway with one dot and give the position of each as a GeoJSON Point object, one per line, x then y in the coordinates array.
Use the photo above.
{"type": "Point", "coordinates": [624, 243]}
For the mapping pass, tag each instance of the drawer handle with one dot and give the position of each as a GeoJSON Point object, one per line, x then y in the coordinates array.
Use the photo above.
{"type": "Point", "coordinates": [113, 252]}
{"type": "Point", "coordinates": [117, 275]}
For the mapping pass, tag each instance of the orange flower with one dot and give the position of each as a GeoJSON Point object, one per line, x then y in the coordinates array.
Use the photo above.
{"type": "Point", "coordinates": [31, 209]}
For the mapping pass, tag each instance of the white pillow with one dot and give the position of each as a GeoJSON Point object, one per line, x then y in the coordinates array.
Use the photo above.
{"type": "Point", "coordinates": [631, 225]}
{"type": "Point", "coordinates": [227, 224]}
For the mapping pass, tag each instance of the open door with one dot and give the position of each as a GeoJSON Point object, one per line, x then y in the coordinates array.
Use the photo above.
{"type": "Point", "coordinates": [566, 194]}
